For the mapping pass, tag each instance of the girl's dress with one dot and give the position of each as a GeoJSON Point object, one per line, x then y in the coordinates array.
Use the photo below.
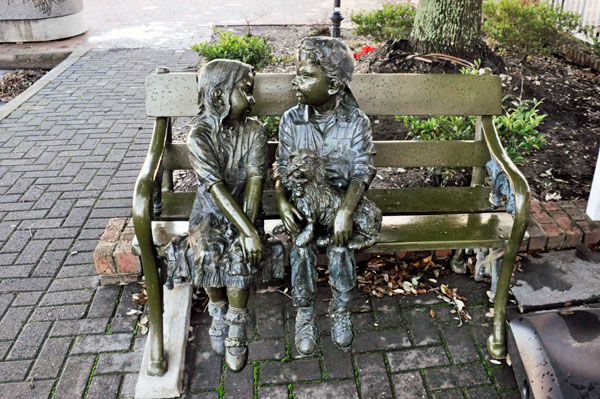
{"type": "Point", "coordinates": [210, 255]}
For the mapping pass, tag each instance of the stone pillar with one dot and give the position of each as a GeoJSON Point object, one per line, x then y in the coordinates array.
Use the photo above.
{"type": "Point", "coordinates": [40, 20]}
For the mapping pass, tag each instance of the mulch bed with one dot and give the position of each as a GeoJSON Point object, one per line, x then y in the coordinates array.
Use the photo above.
{"type": "Point", "coordinates": [14, 83]}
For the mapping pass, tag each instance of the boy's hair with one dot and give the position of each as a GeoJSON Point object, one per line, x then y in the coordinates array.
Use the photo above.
{"type": "Point", "coordinates": [331, 54]}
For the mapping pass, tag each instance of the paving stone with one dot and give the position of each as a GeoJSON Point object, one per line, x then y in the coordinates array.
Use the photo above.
{"type": "Point", "coordinates": [74, 377]}
{"type": "Point", "coordinates": [20, 271]}
{"type": "Point", "coordinates": [422, 327]}
{"type": "Point", "coordinates": [14, 371]}
{"type": "Point", "coordinates": [51, 358]}
{"type": "Point", "coordinates": [128, 388]}
{"type": "Point", "coordinates": [505, 377]}
{"type": "Point", "coordinates": [207, 370]}
{"type": "Point", "coordinates": [27, 299]}
{"type": "Point", "coordinates": [78, 327]}
{"type": "Point", "coordinates": [417, 358]}
{"type": "Point", "coordinates": [459, 344]}
{"type": "Point", "coordinates": [557, 277]}
{"type": "Point", "coordinates": [482, 393]}
{"type": "Point", "coordinates": [372, 374]}
{"type": "Point", "coordinates": [381, 340]}
{"type": "Point", "coordinates": [101, 343]}
{"type": "Point", "coordinates": [77, 271]}
{"type": "Point", "coordinates": [294, 371]}
{"type": "Point", "coordinates": [327, 390]}
{"type": "Point", "coordinates": [387, 312]}
{"type": "Point", "coordinates": [12, 322]}
{"type": "Point", "coordinates": [8, 259]}
{"type": "Point", "coordinates": [409, 386]}
{"type": "Point", "coordinates": [276, 392]}
{"type": "Point", "coordinates": [50, 264]}
{"type": "Point", "coordinates": [4, 347]}
{"type": "Point", "coordinates": [105, 301]}
{"type": "Point", "coordinates": [270, 323]}
{"type": "Point", "coordinates": [104, 387]}
{"type": "Point", "coordinates": [127, 324]}
{"type": "Point", "coordinates": [5, 302]}
{"type": "Point", "coordinates": [338, 364]}
{"type": "Point", "coordinates": [75, 283]}
{"type": "Point", "coordinates": [455, 394]}
{"type": "Point", "coordinates": [25, 284]}
{"type": "Point", "coordinates": [266, 350]}
{"type": "Point", "coordinates": [126, 300]}
{"type": "Point", "coordinates": [23, 390]}
{"type": "Point", "coordinates": [457, 376]}
{"type": "Point", "coordinates": [240, 384]}
{"type": "Point", "coordinates": [66, 297]}
{"type": "Point", "coordinates": [30, 340]}
{"type": "Point", "coordinates": [120, 362]}
{"type": "Point", "coordinates": [52, 313]}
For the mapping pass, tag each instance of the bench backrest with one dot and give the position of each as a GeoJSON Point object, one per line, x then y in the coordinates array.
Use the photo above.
{"type": "Point", "coordinates": [174, 94]}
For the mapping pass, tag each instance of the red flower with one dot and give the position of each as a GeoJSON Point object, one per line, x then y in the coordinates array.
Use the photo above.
{"type": "Point", "coordinates": [365, 50]}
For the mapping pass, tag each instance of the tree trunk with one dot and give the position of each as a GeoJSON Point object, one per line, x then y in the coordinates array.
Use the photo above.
{"type": "Point", "coordinates": [449, 27]}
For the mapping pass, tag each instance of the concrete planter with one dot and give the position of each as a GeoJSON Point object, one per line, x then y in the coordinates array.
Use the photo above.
{"type": "Point", "coordinates": [40, 20]}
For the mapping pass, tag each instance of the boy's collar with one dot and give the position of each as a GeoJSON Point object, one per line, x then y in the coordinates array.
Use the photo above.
{"type": "Point", "coordinates": [341, 112]}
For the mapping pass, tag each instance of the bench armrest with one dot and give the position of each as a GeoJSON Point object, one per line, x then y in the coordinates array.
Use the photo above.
{"type": "Point", "coordinates": [518, 185]}
{"type": "Point", "coordinates": [142, 222]}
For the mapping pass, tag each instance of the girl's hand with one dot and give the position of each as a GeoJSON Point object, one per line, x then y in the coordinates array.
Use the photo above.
{"type": "Point", "coordinates": [253, 248]}
{"type": "Point", "coordinates": [289, 214]}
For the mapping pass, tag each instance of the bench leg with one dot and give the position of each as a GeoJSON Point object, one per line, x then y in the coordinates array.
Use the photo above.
{"type": "Point", "coordinates": [496, 342]}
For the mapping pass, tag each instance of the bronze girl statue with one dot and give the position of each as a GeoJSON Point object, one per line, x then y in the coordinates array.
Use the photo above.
{"type": "Point", "coordinates": [223, 249]}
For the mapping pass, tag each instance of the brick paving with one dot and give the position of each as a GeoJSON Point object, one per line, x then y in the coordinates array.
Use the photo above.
{"type": "Point", "coordinates": [68, 159]}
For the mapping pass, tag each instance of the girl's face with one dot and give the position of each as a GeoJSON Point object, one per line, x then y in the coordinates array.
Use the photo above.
{"type": "Point", "coordinates": [241, 100]}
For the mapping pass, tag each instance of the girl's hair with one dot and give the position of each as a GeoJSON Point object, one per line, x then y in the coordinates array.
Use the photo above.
{"type": "Point", "coordinates": [216, 75]}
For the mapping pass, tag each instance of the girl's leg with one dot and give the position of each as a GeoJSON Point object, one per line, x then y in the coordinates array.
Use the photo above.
{"type": "Point", "coordinates": [217, 308]}
{"type": "Point", "coordinates": [236, 353]}
{"type": "Point", "coordinates": [216, 294]}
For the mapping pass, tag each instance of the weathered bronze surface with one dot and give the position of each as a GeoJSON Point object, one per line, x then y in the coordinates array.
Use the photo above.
{"type": "Point", "coordinates": [324, 164]}
{"type": "Point", "coordinates": [223, 251]}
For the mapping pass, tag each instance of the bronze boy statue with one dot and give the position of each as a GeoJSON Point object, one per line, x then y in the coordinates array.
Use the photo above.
{"type": "Point", "coordinates": [326, 121]}
{"type": "Point", "coordinates": [223, 248]}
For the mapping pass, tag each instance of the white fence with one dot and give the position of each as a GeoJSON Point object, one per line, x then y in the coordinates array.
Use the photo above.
{"type": "Point", "coordinates": [588, 9]}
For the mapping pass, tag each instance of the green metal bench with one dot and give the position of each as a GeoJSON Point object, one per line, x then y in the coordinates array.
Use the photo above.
{"type": "Point", "coordinates": [414, 218]}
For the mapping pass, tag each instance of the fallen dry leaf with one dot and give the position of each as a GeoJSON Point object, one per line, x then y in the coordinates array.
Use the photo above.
{"type": "Point", "coordinates": [432, 313]}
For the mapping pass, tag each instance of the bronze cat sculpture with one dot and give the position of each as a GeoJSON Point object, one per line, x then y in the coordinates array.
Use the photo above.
{"type": "Point", "coordinates": [306, 180]}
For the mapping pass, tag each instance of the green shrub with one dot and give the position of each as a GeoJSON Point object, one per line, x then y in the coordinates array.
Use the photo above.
{"type": "Point", "coordinates": [536, 28]}
{"type": "Point", "coordinates": [517, 128]}
{"type": "Point", "coordinates": [271, 124]}
{"type": "Point", "coordinates": [391, 22]}
{"type": "Point", "coordinates": [252, 50]}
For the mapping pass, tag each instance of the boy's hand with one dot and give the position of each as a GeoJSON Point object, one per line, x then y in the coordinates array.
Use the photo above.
{"type": "Point", "coordinates": [289, 213]}
{"type": "Point", "coordinates": [342, 227]}
{"type": "Point", "coordinates": [253, 248]}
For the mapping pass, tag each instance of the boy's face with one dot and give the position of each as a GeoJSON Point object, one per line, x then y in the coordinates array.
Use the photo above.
{"type": "Point", "coordinates": [241, 100]}
{"type": "Point", "coordinates": [311, 83]}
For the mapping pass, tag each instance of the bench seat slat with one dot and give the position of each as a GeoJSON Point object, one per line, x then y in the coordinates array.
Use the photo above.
{"type": "Point", "coordinates": [177, 206]}
{"type": "Point", "coordinates": [396, 154]}
{"type": "Point", "coordinates": [417, 232]}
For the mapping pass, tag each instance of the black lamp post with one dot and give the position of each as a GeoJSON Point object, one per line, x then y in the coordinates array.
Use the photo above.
{"type": "Point", "coordinates": [336, 18]}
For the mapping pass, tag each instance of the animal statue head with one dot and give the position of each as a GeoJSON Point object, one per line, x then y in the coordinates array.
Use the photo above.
{"type": "Point", "coordinates": [305, 167]}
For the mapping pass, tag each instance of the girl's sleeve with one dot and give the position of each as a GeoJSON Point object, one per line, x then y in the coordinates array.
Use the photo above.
{"type": "Point", "coordinates": [203, 157]}
{"type": "Point", "coordinates": [256, 164]}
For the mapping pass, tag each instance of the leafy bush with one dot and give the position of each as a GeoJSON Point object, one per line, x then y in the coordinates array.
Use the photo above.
{"type": "Point", "coordinates": [517, 128]}
{"type": "Point", "coordinates": [394, 21]}
{"type": "Point", "coordinates": [271, 124]}
{"type": "Point", "coordinates": [536, 28]}
{"type": "Point", "coordinates": [252, 50]}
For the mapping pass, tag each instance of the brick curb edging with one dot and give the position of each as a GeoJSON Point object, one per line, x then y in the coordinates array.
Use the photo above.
{"type": "Point", "coordinates": [552, 226]}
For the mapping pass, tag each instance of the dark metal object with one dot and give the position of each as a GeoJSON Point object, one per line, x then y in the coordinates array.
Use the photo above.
{"type": "Point", "coordinates": [336, 18]}
{"type": "Point", "coordinates": [556, 354]}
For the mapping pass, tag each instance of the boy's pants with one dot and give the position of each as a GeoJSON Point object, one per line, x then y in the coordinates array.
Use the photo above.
{"type": "Point", "coordinates": [342, 276]}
